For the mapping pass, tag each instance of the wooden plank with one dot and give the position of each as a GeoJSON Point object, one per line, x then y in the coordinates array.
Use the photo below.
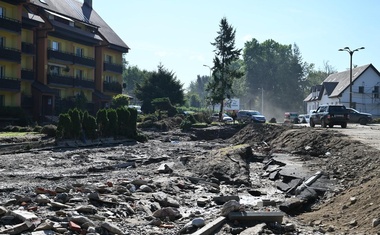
{"type": "Point", "coordinates": [211, 227]}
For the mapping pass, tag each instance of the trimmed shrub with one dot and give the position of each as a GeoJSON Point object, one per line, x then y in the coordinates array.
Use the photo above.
{"type": "Point", "coordinates": [64, 126]}
{"type": "Point", "coordinates": [164, 104]}
{"type": "Point", "coordinates": [49, 130]}
{"type": "Point", "coordinates": [37, 129]}
{"type": "Point", "coordinates": [76, 122]}
{"type": "Point", "coordinates": [112, 122]}
{"type": "Point", "coordinates": [123, 118]}
{"type": "Point", "coordinates": [102, 121]}
{"type": "Point", "coordinates": [89, 126]}
{"type": "Point", "coordinates": [132, 123]}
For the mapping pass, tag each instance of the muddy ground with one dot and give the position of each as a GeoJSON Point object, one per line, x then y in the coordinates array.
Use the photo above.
{"type": "Point", "coordinates": [188, 171]}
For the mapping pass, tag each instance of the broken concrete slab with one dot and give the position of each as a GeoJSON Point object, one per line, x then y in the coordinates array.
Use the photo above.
{"type": "Point", "coordinates": [271, 216]}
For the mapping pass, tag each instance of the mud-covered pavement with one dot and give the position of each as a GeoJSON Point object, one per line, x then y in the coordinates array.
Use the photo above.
{"type": "Point", "coordinates": [178, 181]}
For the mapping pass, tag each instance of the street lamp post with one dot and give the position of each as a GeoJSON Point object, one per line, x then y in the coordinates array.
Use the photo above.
{"type": "Point", "coordinates": [351, 52]}
{"type": "Point", "coordinates": [209, 68]}
{"type": "Point", "coordinates": [262, 100]}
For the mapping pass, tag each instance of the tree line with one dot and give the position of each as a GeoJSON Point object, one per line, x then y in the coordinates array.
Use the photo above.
{"type": "Point", "coordinates": [271, 68]}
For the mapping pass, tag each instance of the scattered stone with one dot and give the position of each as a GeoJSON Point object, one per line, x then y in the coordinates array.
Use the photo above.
{"type": "Point", "coordinates": [257, 229]}
{"type": "Point", "coordinates": [87, 209]}
{"type": "Point", "coordinates": [223, 199]}
{"type": "Point", "coordinates": [3, 210]}
{"type": "Point", "coordinates": [353, 223]}
{"type": "Point", "coordinates": [112, 228]}
{"type": "Point", "coordinates": [75, 227]}
{"type": "Point", "coordinates": [164, 200]}
{"type": "Point", "coordinates": [266, 202]}
{"type": "Point", "coordinates": [59, 205]}
{"type": "Point", "coordinates": [24, 215]}
{"type": "Point", "coordinates": [167, 212]}
{"type": "Point", "coordinates": [42, 199]}
{"type": "Point", "coordinates": [230, 206]}
{"type": "Point", "coordinates": [353, 200]}
{"type": "Point", "coordinates": [46, 225]}
{"type": "Point", "coordinates": [146, 189]}
{"type": "Point", "coordinates": [375, 222]}
{"type": "Point", "coordinates": [203, 201]}
{"type": "Point", "coordinates": [166, 168]}
{"type": "Point", "coordinates": [82, 220]}
{"type": "Point", "coordinates": [290, 227]}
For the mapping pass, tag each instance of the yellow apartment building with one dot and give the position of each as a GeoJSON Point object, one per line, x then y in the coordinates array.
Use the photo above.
{"type": "Point", "coordinates": [53, 51]}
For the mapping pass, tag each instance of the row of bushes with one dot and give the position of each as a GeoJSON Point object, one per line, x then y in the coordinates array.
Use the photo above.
{"type": "Point", "coordinates": [76, 124]}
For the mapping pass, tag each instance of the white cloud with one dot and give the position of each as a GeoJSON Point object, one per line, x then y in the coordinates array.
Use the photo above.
{"type": "Point", "coordinates": [247, 38]}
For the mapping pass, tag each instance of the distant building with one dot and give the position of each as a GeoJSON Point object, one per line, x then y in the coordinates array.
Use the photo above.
{"type": "Point", "coordinates": [52, 51]}
{"type": "Point", "coordinates": [335, 89]}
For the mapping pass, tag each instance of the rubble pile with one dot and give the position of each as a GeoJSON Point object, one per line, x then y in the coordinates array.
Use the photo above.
{"type": "Point", "coordinates": [178, 183]}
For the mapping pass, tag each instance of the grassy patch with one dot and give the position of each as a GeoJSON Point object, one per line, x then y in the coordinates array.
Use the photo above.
{"type": "Point", "coordinates": [16, 134]}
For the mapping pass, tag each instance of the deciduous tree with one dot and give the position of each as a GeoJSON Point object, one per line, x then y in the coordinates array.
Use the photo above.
{"type": "Point", "coordinates": [161, 83]}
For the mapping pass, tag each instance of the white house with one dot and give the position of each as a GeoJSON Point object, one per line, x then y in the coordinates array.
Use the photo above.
{"type": "Point", "coordinates": [335, 89]}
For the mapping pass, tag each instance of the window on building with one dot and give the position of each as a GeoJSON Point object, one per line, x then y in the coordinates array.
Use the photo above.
{"type": "Point", "coordinates": [108, 59]}
{"type": "Point", "coordinates": [361, 89]}
{"type": "Point", "coordinates": [2, 41]}
{"type": "Point", "coordinates": [2, 12]}
{"type": "Point", "coordinates": [79, 74]}
{"type": "Point", "coordinates": [375, 92]}
{"type": "Point", "coordinates": [79, 52]}
{"type": "Point", "coordinates": [2, 71]}
{"type": "Point", "coordinates": [108, 78]}
{"type": "Point", "coordinates": [2, 101]}
{"type": "Point", "coordinates": [55, 46]}
{"type": "Point", "coordinates": [55, 70]}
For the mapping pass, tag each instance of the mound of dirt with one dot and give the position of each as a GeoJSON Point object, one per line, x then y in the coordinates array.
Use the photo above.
{"type": "Point", "coordinates": [353, 207]}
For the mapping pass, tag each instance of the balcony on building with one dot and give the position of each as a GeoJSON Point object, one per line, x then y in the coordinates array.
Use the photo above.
{"type": "Point", "coordinates": [10, 54]}
{"type": "Point", "coordinates": [9, 24]}
{"type": "Point", "coordinates": [85, 61]}
{"type": "Point", "coordinates": [60, 80]}
{"type": "Point", "coordinates": [113, 87]}
{"type": "Point", "coordinates": [10, 84]}
{"type": "Point", "coordinates": [27, 74]}
{"type": "Point", "coordinates": [84, 83]}
{"type": "Point", "coordinates": [26, 101]}
{"type": "Point", "coordinates": [111, 67]}
{"type": "Point", "coordinates": [28, 48]}
{"type": "Point", "coordinates": [60, 56]}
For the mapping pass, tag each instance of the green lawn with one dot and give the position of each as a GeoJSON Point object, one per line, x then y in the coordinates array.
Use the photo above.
{"type": "Point", "coordinates": [15, 134]}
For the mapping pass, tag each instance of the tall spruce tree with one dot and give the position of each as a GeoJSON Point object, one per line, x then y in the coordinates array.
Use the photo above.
{"type": "Point", "coordinates": [223, 73]}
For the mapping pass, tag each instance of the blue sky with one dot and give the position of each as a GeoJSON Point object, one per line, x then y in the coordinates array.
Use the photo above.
{"type": "Point", "coordinates": [178, 33]}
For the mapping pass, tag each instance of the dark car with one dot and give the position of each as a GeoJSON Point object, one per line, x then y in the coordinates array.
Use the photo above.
{"type": "Point", "coordinates": [250, 116]}
{"type": "Point", "coordinates": [330, 115]}
{"type": "Point", "coordinates": [358, 117]}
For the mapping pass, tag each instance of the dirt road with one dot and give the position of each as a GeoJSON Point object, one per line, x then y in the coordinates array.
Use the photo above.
{"type": "Point", "coordinates": [368, 134]}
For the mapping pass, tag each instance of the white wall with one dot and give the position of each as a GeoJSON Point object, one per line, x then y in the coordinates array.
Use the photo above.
{"type": "Point", "coordinates": [365, 102]}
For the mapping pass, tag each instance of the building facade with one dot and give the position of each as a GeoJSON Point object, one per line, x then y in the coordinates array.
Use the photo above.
{"type": "Point", "coordinates": [335, 89]}
{"type": "Point", "coordinates": [54, 54]}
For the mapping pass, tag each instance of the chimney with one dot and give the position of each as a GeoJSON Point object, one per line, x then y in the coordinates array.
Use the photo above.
{"type": "Point", "coordinates": [88, 3]}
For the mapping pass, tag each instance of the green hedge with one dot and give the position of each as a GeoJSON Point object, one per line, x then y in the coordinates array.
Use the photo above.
{"type": "Point", "coordinates": [108, 123]}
